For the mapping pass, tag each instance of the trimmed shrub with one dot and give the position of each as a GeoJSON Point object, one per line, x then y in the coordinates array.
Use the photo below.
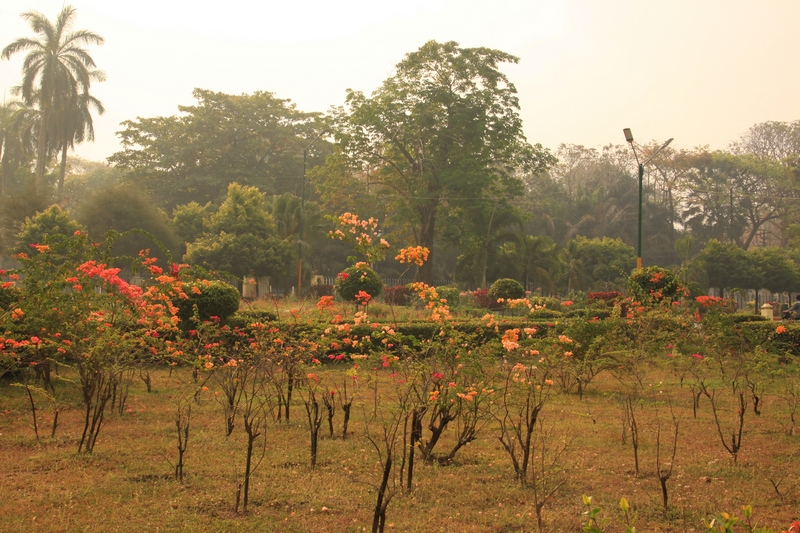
{"type": "Point", "coordinates": [589, 313]}
{"type": "Point", "coordinates": [216, 298]}
{"type": "Point", "coordinates": [506, 288]}
{"type": "Point", "coordinates": [545, 313]}
{"type": "Point", "coordinates": [654, 284]}
{"type": "Point", "coordinates": [243, 319]}
{"type": "Point", "coordinates": [554, 304]}
{"type": "Point", "coordinates": [451, 294]}
{"type": "Point", "coordinates": [356, 279]}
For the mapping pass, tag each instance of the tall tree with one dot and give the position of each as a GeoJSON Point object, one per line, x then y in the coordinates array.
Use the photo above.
{"type": "Point", "coordinates": [252, 139]}
{"type": "Point", "coordinates": [770, 140]}
{"type": "Point", "coordinates": [240, 238]}
{"type": "Point", "coordinates": [56, 70]}
{"type": "Point", "coordinates": [74, 124]}
{"type": "Point", "coordinates": [438, 132]}
{"type": "Point", "coordinates": [734, 197]}
{"type": "Point", "coordinates": [727, 266]}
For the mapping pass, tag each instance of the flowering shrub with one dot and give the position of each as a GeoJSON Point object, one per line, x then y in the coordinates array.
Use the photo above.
{"type": "Point", "coordinates": [539, 302]}
{"type": "Point", "coordinates": [357, 279]}
{"type": "Point", "coordinates": [451, 295]}
{"type": "Point", "coordinates": [716, 304]}
{"type": "Point", "coordinates": [9, 295]}
{"type": "Point", "coordinates": [655, 284]}
{"type": "Point", "coordinates": [76, 309]}
{"type": "Point", "coordinates": [440, 311]}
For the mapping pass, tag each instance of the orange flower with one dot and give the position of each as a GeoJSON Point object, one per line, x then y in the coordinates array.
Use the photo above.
{"type": "Point", "coordinates": [780, 329]}
{"type": "Point", "coordinates": [325, 302]}
{"type": "Point", "coordinates": [413, 254]}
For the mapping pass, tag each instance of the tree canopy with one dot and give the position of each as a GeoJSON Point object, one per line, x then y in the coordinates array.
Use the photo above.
{"type": "Point", "coordinates": [438, 133]}
{"type": "Point", "coordinates": [240, 238]}
{"type": "Point", "coordinates": [252, 139]}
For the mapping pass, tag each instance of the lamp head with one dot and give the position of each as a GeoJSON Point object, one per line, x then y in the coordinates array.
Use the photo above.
{"type": "Point", "coordinates": [628, 135]}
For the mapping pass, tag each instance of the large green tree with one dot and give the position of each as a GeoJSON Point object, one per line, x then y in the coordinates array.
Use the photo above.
{"type": "Point", "coordinates": [121, 208]}
{"type": "Point", "coordinates": [252, 139]}
{"type": "Point", "coordinates": [240, 238]}
{"type": "Point", "coordinates": [436, 134]}
{"type": "Point", "coordinates": [727, 266]}
{"type": "Point", "coordinates": [57, 71]}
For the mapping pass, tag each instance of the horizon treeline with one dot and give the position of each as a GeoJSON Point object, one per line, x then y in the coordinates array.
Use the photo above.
{"type": "Point", "coordinates": [249, 184]}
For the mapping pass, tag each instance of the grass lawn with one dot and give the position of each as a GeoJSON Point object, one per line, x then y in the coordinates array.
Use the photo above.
{"type": "Point", "coordinates": [127, 484]}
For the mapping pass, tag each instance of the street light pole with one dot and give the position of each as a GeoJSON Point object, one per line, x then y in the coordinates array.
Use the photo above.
{"type": "Point", "coordinates": [629, 138]}
{"type": "Point", "coordinates": [302, 214]}
{"type": "Point", "coordinates": [639, 238]}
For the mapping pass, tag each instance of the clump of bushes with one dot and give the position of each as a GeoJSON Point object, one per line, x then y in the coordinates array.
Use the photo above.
{"type": "Point", "coordinates": [606, 297]}
{"type": "Point", "coordinates": [482, 299]}
{"type": "Point", "coordinates": [545, 313]}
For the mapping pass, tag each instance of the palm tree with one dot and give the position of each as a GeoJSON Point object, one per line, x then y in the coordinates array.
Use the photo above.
{"type": "Point", "coordinates": [56, 69]}
{"type": "Point", "coordinates": [573, 269]}
{"type": "Point", "coordinates": [72, 125]}
{"type": "Point", "coordinates": [539, 261]}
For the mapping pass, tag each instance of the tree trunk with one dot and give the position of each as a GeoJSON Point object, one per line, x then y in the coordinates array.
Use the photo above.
{"type": "Point", "coordinates": [41, 150]}
{"type": "Point", "coordinates": [62, 171]}
{"type": "Point", "coordinates": [427, 218]}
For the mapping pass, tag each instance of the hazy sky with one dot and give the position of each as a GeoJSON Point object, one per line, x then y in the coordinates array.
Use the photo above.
{"type": "Point", "coordinates": [701, 71]}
